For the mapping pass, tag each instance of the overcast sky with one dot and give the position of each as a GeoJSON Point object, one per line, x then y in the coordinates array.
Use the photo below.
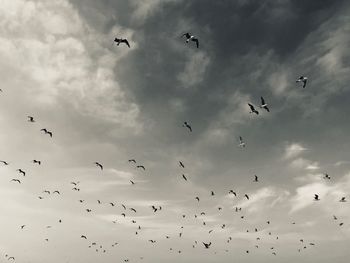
{"type": "Point", "coordinates": [110, 103]}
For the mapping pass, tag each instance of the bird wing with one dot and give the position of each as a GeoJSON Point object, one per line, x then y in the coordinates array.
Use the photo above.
{"type": "Point", "coordinates": [251, 107]}
{"type": "Point", "coordinates": [262, 101]}
{"type": "Point", "coordinates": [197, 42]}
{"type": "Point", "coordinates": [126, 42]}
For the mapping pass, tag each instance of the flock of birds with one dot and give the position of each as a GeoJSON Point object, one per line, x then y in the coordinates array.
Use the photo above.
{"type": "Point", "coordinates": [157, 208]}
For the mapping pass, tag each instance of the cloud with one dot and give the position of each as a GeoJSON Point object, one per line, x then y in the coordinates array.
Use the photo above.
{"type": "Point", "coordinates": [293, 150]}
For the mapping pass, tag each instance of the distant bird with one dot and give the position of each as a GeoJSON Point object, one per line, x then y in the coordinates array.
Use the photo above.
{"type": "Point", "coordinates": [132, 161]}
{"type": "Point", "coordinates": [99, 165]}
{"type": "Point", "coordinates": [30, 119]}
{"type": "Point", "coordinates": [82, 236]}
{"type": "Point", "coordinates": [16, 180]}
{"type": "Point", "coordinates": [316, 197]}
{"type": "Point", "coordinates": [241, 142]}
{"type": "Point", "coordinates": [121, 40]}
{"type": "Point", "coordinates": [123, 214]}
{"type": "Point", "coordinates": [154, 208]}
{"type": "Point", "coordinates": [11, 258]}
{"type": "Point", "coordinates": [256, 178]}
{"type": "Point", "coordinates": [341, 224]}
{"type": "Point", "coordinates": [152, 241]}
{"type": "Point", "coordinates": [184, 177]}
{"type": "Point", "coordinates": [207, 245]}
{"type": "Point", "coordinates": [197, 198]}
{"type": "Point", "coordinates": [342, 199]}
{"type": "Point", "coordinates": [252, 109]}
{"type": "Point", "coordinates": [264, 105]}
{"type": "Point", "coordinates": [81, 201]}
{"type": "Point", "coordinates": [181, 164]}
{"type": "Point", "coordinates": [36, 161]}
{"type": "Point", "coordinates": [47, 132]}
{"type": "Point", "coordinates": [212, 193]}
{"type": "Point", "coordinates": [23, 226]}
{"type": "Point", "coordinates": [47, 191]}
{"type": "Point", "coordinates": [88, 210]}
{"type": "Point", "coordinates": [303, 80]}
{"type": "Point", "coordinates": [326, 176]}
{"type": "Point", "coordinates": [141, 167]}
{"type": "Point", "coordinates": [232, 192]}
{"type": "Point", "coordinates": [56, 192]}
{"type": "Point", "coordinates": [246, 196]}
{"type": "Point", "coordinates": [133, 209]}
{"type": "Point", "coordinates": [76, 189]}
{"type": "Point", "coordinates": [74, 183]}
{"type": "Point", "coordinates": [4, 162]}
{"type": "Point", "coordinates": [112, 204]}
{"type": "Point", "coordinates": [132, 182]}
{"type": "Point", "coordinates": [335, 218]}
{"type": "Point", "coordinates": [21, 172]}
{"type": "Point", "coordinates": [187, 125]}
{"type": "Point", "coordinates": [192, 38]}
{"type": "Point", "coordinates": [124, 207]}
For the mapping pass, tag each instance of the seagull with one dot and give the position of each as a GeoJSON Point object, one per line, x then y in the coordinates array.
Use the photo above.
{"type": "Point", "coordinates": [207, 245]}
{"type": "Point", "coordinates": [46, 132]}
{"type": "Point", "coordinates": [246, 196]}
{"type": "Point", "coordinates": [75, 183]}
{"type": "Point", "coordinates": [124, 207]}
{"type": "Point", "coordinates": [154, 208]}
{"type": "Point", "coordinates": [82, 236]}
{"type": "Point", "coordinates": [99, 165]}
{"type": "Point", "coordinates": [252, 109]}
{"type": "Point", "coordinates": [132, 161]}
{"type": "Point", "coordinates": [141, 166]}
{"type": "Point", "coordinates": [121, 40]}
{"type": "Point", "coordinates": [264, 105]}
{"type": "Point", "coordinates": [57, 192]}
{"type": "Point", "coordinates": [21, 172]}
{"type": "Point", "coordinates": [16, 180]}
{"type": "Point", "coordinates": [36, 161]}
{"type": "Point", "coordinates": [255, 178]}
{"type": "Point", "coordinates": [133, 209]}
{"type": "Point", "coordinates": [185, 124]}
{"type": "Point", "coordinates": [132, 182]}
{"type": "Point", "coordinates": [181, 164]}
{"type": "Point", "coordinates": [111, 204]}
{"type": "Point", "coordinates": [192, 38]}
{"type": "Point", "coordinates": [197, 198]}
{"type": "Point", "coordinates": [241, 142]}
{"type": "Point", "coordinates": [4, 162]}
{"type": "Point", "coordinates": [303, 80]}
{"type": "Point", "coordinates": [184, 177]}
{"type": "Point", "coordinates": [23, 226]}
{"type": "Point", "coordinates": [335, 218]}
{"type": "Point", "coordinates": [316, 198]}
{"type": "Point", "coordinates": [342, 199]}
{"type": "Point", "coordinates": [30, 119]}
{"type": "Point", "coordinates": [47, 191]}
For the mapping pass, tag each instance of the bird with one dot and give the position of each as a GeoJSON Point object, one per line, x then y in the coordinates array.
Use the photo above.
{"type": "Point", "coordinates": [184, 177]}
{"type": "Point", "coordinates": [342, 199]}
{"type": "Point", "coordinates": [16, 180]}
{"type": "Point", "coordinates": [141, 167]}
{"type": "Point", "coordinates": [232, 192]}
{"type": "Point", "coordinates": [207, 245]}
{"type": "Point", "coordinates": [197, 198]}
{"type": "Point", "coordinates": [154, 208]}
{"type": "Point", "coordinates": [47, 191]}
{"type": "Point", "coordinates": [133, 209]}
{"type": "Point", "coordinates": [124, 207]}
{"type": "Point", "coordinates": [326, 176]}
{"type": "Point", "coordinates": [56, 192]}
{"type": "Point", "coordinates": [256, 178]}
{"type": "Point", "coordinates": [241, 142]}
{"type": "Point", "coordinates": [335, 218]}
{"type": "Point", "coordinates": [181, 164]}
{"type": "Point", "coordinates": [11, 258]}
{"type": "Point", "coordinates": [187, 125]}
{"type": "Point", "coordinates": [23, 226]}
{"type": "Point", "coordinates": [82, 236]}
{"type": "Point", "coordinates": [132, 182]}
{"type": "Point", "coordinates": [99, 165]}
{"type": "Point", "coordinates": [4, 162]}
{"type": "Point", "coordinates": [132, 161]}
{"type": "Point", "coordinates": [46, 132]}
{"type": "Point", "coordinates": [264, 105]}
{"type": "Point", "coordinates": [252, 109]}
{"type": "Point", "coordinates": [212, 193]}
{"type": "Point", "coordinates": [316, 197]}
{"type": "Point", "coordinates": [246, 196]}
{"type": "Point", "coordinates": [302, 79]}
{"type": "Point", "coordinates": [192, 38]}
{"type": "Point", "coordinates": [74, 183]}
{"type": "Point", "coordinates": [88, 210]}
{"type": "Point", "coordinates": [112, 204]}
{"type": "Point", "coordinates": [21, 172]}
{"type": "Point", "coordinates": [36, 161]}
{"type": "Point", "coordinates": [30, 119]}
{"type": "Point", "coordinates": [121, 40]}
{"type": "Point", "coordinates": [123, 214]}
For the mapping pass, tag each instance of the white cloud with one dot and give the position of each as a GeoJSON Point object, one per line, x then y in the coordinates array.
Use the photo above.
{"type": "Point", "coordinates": [293, 150]}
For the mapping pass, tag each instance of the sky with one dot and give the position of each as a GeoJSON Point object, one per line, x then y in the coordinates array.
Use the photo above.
{"type": "Point", "coordinates": [109, 104]}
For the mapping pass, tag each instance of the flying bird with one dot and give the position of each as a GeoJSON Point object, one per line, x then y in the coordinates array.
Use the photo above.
{"type": "Point", "coordinates": [132, 161]}
{"type": "Point", "coordinates": [132, 182]}
{"type": "Point", "coordinates": [187, 125]}
{"type": "Point", "coordinates": [30, 119]}
{"type": "Point", "coordinates": [4, 162]}
{"type": "Point", "coordinates": [252, 109]}
{"type": "Point", "coordinates": [326, 176]}
{"type": "Point", "coordinates": [302, 79]}
{"type": "Point", "coordinates": [246, 196]}
{"type": "Point", "coordinates": [82, 236]}
{"type": "Point", "coordinates": [16, 180]}
{"type": "Point", "coordinates": [21, 172]}
{"type": "Point", "coordinates": [197, 198]}
{"type": "Point", "coordinates": [184, 177]}
{"type": "Point", "coordinates": [316, 197]}
{"type": "Point", "coordinates": [264, 105]}
{"type": "Point", "coordinates": [241, 142]}
{"type": "Point", "coordinates": [36, 161]}
{"type": "Point", "coordinates": [181, 164]}
{"type": "Point", "coordinates": [99, 165]}
{"type": "Point", "coordinates": [256, 178]}
{"type": "Point", "coordinates": [47, 132]}
{"type": "Point", "coordinates": [207, 245]}
{"type": "Point", "coordinates": [141, 167]}
{"type": "Point", "coordinates": [190, 37]}
{"type": "Point", "coordinates": [121, 40]}
{"type": "Point", "coordinates": [342, 199]}
{"type": "Point", "coordinates": [56, 192]}
{"type": "Point", "coordinates": [232, 192]}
